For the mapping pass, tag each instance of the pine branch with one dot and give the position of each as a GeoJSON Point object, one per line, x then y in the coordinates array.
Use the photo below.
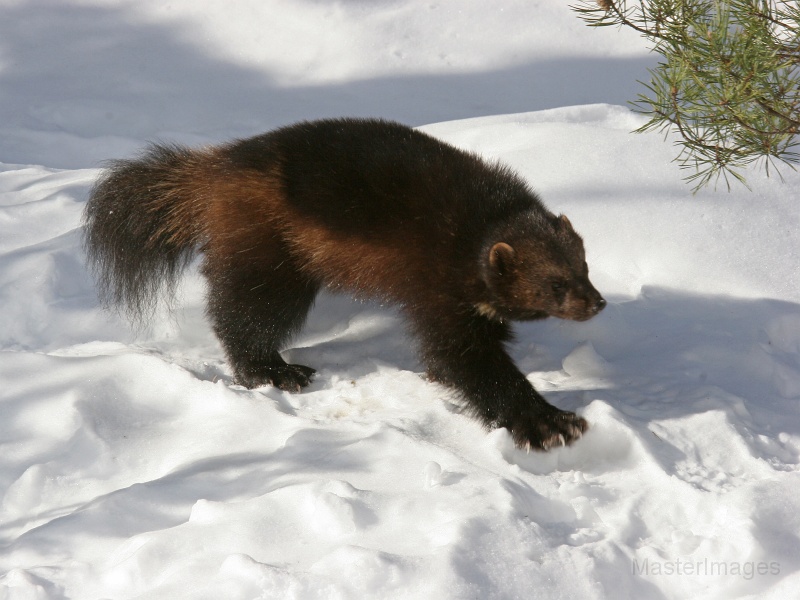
{"type": "Point", "coordinates": [728, 85]}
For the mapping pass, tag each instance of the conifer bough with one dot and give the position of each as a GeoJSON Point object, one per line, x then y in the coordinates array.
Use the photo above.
{"type": "Point", "coordinates": [729, 82]}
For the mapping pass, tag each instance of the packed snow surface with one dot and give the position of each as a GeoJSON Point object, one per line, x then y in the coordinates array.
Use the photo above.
{"type": "Point", "coordinates": [131, 466]}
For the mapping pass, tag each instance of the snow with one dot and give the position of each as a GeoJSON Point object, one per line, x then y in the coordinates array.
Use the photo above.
{"type": "Point", "coordinates": [131, 467]}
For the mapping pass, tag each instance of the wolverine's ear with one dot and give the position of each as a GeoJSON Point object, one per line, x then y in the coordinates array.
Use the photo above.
{"type": "Point", "coordinates": [564, 222]}
{"type": "Point", "coordinates": [501, 257]}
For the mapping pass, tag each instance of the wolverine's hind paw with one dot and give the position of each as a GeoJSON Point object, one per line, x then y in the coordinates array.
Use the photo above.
{"type": "Point", "coordinates": [290, 378]}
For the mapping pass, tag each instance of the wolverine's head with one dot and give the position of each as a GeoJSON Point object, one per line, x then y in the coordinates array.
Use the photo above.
{"type": "Point", "coordinates": [535, 267]}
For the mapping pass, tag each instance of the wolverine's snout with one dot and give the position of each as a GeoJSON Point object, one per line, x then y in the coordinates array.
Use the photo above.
{"type": "Point", "coordinates": [582, 304]}
{"type": "Point", "coordinates": [593, 306]}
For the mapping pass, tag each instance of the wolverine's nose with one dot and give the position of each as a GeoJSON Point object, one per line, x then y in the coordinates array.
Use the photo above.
{"type": "Point", "coordinates": [601, 304]}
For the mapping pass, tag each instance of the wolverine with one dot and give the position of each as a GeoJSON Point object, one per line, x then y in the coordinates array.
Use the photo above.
{"type": "Point", "coordinates": [461, 246]}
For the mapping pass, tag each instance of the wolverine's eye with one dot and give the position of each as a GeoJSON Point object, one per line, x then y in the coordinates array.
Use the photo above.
{"type": "Point", "coordinates": [558, 287]}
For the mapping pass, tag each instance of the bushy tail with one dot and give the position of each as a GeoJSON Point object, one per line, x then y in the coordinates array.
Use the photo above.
{"type": "Point", "coordinates": [143, 224]}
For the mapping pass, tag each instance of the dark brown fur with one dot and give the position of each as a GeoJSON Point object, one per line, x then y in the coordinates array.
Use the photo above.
{"type": "Point", "coordinates": [370, 207]}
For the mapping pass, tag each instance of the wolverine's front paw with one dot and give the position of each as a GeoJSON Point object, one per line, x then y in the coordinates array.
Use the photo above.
{"type": "Point", "coordinates": [290, 378]}
{"type": "Point", "coordinates": [545, 427]}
